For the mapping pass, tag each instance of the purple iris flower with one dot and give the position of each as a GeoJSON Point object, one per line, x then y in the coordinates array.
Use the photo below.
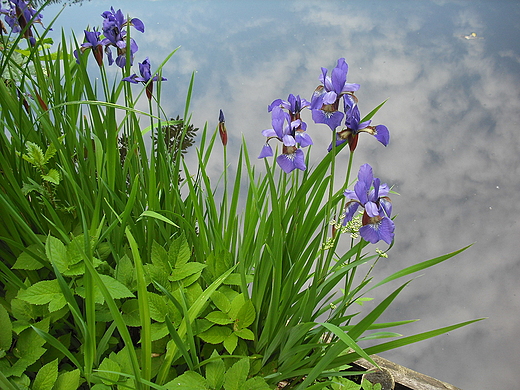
{"type": "Point", "coordinates": [372, 196]}
{"type": "Point", "coordinates": [325, 99]}
{"type": "Point", "coordinates": [294, 105]}
{"type": "Point", "coordinates": [354, 126]}
{"type": "Point", "coordinates": [113, 25]}
{"type": "Point", "coordinates": [92, 42]}
{"type": "Point", "coordinates": [284, 131]}
{"type": "Point", "coordinates": [19, 16]}
{"type": "Point", "coordinates": [146, 76]}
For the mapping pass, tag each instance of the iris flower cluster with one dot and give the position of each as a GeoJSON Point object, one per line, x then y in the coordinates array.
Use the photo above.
{"type": "Point", "coordinates": [20, 16]}
{"type": "Point", "coordinates": [370, 194]}
{"type": "Point", "coordinates": [114, 33]}
{"type": "Point", "coordinates": [289, 129]}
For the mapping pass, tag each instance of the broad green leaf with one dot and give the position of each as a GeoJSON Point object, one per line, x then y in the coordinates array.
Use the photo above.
{"type": "Point", "coordinates": [245, 334]}
{"type": "Point", "coordinates": [218, 263]}
{"type": "Point", "coordinates": [221, 301]}
{"type": "Point", "coordinates": [236, 305]}
{"type": "Point", "coordinates": [25, 311]}
{"type": "Point", "coordinates": [41, 293]}
{"type": "Point", "coordinates": [26, 261]}
{"type": "Point", "coordinates": [67, 381]}
{"type": "Point", "coordinates": [236, 376]}
{"type": "Point", "coordinates": [230, 343]}
{"type": "Point", "coordinates": [46, 376]}
{"type": "Point", "coordinates": [158, 307]}
{"type": "Point", "coordinates": [186, 270]}
{"type": "Point", "coordinates": [160, 257]}
{"type": "Point", "coordinates": [246, 315]}
{"type": "Point", "coordinates": [190, 380]}
{"type": "Point", "coordinates": [109, 365]}
{"type": "Point", "coordinates": [131, 312]}
{"type": "Point", "coordinates": [6, 330]}
{"type": "Point", "coordinates": [179, 252]}
{"type": "Point", "coordinates": [215, 371]}
{"type": "Point", "coordinates": [367, 385]}
{"type": "Point", "coordinates": [256, 383]}
{"type": "Point", "coordinates": [158, 330]}
{"type": "Point", "coordinates": [116, 289]}
{"type": "Point", "coordinates": [217, 317]}
{"type": "Point", "coordinates": [216, 334]}
{"type": "Point", "coordinates": [57, 253]}
{"type": "Point", "coordinates": [125, 273]}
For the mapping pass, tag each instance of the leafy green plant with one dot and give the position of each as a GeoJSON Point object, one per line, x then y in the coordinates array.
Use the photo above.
{"type": "Point", "coordinates": [122, 269]}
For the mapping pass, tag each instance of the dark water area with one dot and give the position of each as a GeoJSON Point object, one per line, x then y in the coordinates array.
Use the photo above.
{"type": "Point", "coordinates": [454, 155]}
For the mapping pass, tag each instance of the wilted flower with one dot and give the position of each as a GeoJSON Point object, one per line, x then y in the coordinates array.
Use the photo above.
{"type": "Point", "coordinates": [222, 128]}
{"type": "Point", "coordinates": [372, 196]}
{"type": "Point", "coordinates": [146, 75]}
{"type": "Point", "coordinates": [326, 97]}
{"type": "Point", "coordinates": [284, 131]}
{"type": "Point", "coordinates": [115, 36]}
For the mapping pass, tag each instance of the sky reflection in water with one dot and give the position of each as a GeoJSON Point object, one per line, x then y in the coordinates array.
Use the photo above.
{"type": "Point", "coordinates": [454, 151]}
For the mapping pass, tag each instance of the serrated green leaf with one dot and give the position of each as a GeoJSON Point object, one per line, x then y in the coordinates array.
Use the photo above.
{"type": "Point", "coordinates": [34, 155]}
{"type": "Point", "coordinates": [67, 381]}
{"type": "Point", "coordinates": [41, 293]}
{"type": "Point", "coordinates": [190, 380]}
{"type": "Point", "coordinates": [57, 253]}
{"type": "Point", "coordinates": [218, 317]}
{"type": "Point", "coordinates": [236, 305]}
{"type": "Point", "coordinates": [46, 376]}
{"type": "Point", "coordinates": [158, 308]}
{"type": "Point", "coordinates": [230, 343]}
{"type": "Point", "coordinates": [186, 270]}
{"type": "Point", "coordinates": [179, 252]}
{"type": "Point", "coordinates": [236, 376]}
{"type": "Point", "coordinates": [116, 289]}
{"type": "Point", "coordinates": [221, 301]}
{"type": "Point", "coordinates": [53, 176]}
{"type": "Point", "coordinates": [215, 371]}
{"type": "Point", "coordinates": [246, 315]}
{"type": "Point", "coordinates": [109, 365]}
{"type": "Point", "coordinates": [131, 312]}
{"type": "Point", "coordinates": [160, 257]}
{"type": "Point", "coordinates": [158, 331]}
{"type": "Point", "coordinates": [125, 273]}
{"type": "Point", "coordinates": [218, 263]}
{"type": "Point", "coordinates": [245, 334]}
{"type": "Point", "coordinates": [216, 334]}
{"type": "Point", "coordinates": [27, 262]}
{"type": "Point", "coordinates": [6, 329]}
{"type": "Point", "coordinates": [49, 153]}
{"type": "Point", "coordinates": [256, 383]}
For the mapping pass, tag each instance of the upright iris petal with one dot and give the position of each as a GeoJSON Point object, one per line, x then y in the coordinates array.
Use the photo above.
{"type": "Point", "coordinates": [113, 24]}
{"type": "Point", "coordinates": [370, 194]}
{"type": "Point", "coordinates": [325, 99]}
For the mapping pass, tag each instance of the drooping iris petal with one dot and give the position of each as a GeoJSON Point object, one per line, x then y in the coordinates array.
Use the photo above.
{"type": "Point", "coordinates": [382, 134]}
{"type": "Point", "coordinates": [266, 151]}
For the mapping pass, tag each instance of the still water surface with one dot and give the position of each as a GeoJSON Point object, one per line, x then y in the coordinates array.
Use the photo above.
{"type": "Point", "coordinates": [454, 155]}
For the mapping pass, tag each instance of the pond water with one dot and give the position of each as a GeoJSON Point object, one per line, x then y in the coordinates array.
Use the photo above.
{"type": "Point", "coordinates": [454, 119]}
